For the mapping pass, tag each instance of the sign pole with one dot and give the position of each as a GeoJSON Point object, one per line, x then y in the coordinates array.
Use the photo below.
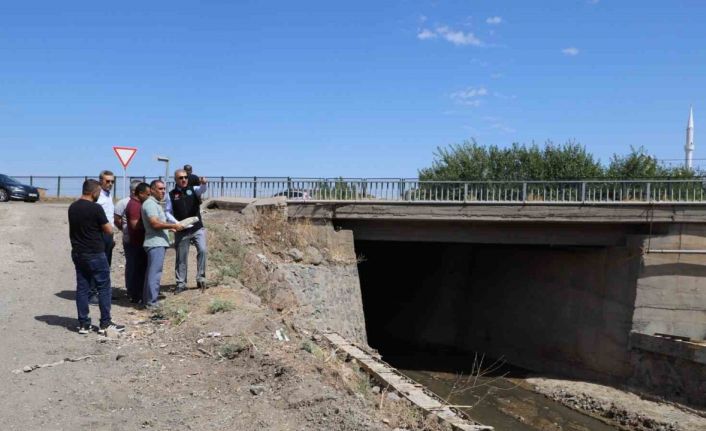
{"type": "Point", "coordinates": [125, 155]}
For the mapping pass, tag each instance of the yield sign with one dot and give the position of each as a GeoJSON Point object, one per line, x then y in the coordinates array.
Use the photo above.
{"type": "Point", "coordinates": [125, 155]}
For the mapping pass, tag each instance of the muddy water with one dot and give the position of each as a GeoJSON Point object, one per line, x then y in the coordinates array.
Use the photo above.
{"type": "Point", "coordinates": [500, 401]}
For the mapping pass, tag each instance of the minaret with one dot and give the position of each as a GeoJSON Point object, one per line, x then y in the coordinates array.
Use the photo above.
{"type": "Point", "coordinates": [689, 148]}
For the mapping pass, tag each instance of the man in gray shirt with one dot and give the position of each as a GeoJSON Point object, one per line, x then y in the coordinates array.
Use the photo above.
{"type": "Point", "coordinates": [156, 241]}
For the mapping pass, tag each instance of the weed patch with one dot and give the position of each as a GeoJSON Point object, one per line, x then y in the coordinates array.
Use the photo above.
{"type": "Point", "coordinates": [175, 313]}
{"type": "Point", "coordinates": [220, 306]}
{"type": "Point", "coordinates": [234, 349]}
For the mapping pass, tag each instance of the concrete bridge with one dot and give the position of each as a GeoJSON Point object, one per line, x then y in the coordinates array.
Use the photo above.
{"type": "Point", "coordinates": [579, 284]}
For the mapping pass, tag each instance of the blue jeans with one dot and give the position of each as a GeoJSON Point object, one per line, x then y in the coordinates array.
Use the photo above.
{"type": "Point", "coordinates": [92, 268]}
{"type": "Point", "coordinates": [109, 244]}
{"type": "Point", "coordinates": [135, 270]}
{"type": "Point", "coordinates": [155, 261]}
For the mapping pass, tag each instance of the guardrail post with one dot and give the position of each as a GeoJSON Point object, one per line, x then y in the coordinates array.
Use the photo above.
{"type": "Point", "coordinates": [58, 186]}
{"type": "Point", "coordinates": [222, 185]}
{"type": "Point", "coordinates": [583, 192]}
{"type": "Point", "coordinates": [254, 188]}
{"type": "Point", "coordinates": [524, 191]}
{"type": "Point", "coordinates": [649, 192]}
{"type": "Point", "coordinates": [465, 192]}
{"type": "Point", "coordinates": [402, 187]}
{"type": "Point", "coordinates": [289, 187]}
{"type": "Point", "coordinates": [31, 180]}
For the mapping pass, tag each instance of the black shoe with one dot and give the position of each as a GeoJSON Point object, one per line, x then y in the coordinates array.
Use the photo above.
{"type": "Point", "coordinates": [135, 300]}
{"type": "Point", "coordinates": [85, 328]}
{"type": "Point", "coordinates": [179, 289]}
{"type": "Point", "coordinates": [105, 327]}
{"type": "Point", "coordinates": [93, 299]}
{"type": "Point", "coordinates": [202, 285]}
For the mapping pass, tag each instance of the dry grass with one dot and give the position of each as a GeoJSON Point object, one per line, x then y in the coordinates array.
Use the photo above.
{"type": "Point", "coordinates": [226, 255]}
{"type": "Point", "coordinates": [398, 413]}
{"type": "Point", "coordinates": [279, 233]}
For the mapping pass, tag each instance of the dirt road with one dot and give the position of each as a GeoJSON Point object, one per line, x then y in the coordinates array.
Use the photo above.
{"type": "Point", "coordinates": [37, 320]}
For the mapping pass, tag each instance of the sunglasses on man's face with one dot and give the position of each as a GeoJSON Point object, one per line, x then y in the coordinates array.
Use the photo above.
{"type": "Point", "coordinates": [109, 181]}
{"type": "Point", "coordinates": [182, 178]}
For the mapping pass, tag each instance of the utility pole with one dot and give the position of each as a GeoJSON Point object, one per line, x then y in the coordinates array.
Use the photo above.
{"type": "Point", "coordinates": [166, 169]}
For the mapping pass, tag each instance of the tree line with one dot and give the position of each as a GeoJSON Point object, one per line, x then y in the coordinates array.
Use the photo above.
{"type": "Point", "coordinates": [470, 161]}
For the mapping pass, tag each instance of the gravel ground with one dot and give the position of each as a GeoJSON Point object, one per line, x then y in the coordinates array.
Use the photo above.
{"type": "Point", "coordinates": [625, 408]}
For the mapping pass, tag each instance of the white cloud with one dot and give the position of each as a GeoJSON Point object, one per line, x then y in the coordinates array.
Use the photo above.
{"type": "Point", "coordinates": [502, 96]}
{"type": "Point", "coordinates": [502, 127]}
{"type": "Point", "coordinates": [458, 37]}
{"type": "Point", "coordinates": [494, 20]}
{"type": "Point", "coordinates": [470, 96]}
{"type": "Point", "coordinates": [425, 34]}
{"type": "Point", "coordinates": [571, 51]}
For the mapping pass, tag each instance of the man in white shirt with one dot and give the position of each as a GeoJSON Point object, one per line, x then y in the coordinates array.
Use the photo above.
{"type": "Point", "coordinates": [105, 200]}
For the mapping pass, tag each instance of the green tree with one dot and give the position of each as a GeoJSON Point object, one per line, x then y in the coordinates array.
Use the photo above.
{"type": "Point", "coordinates": [637, 164]}
{"type": "Point", "coordinates": [472, 162]}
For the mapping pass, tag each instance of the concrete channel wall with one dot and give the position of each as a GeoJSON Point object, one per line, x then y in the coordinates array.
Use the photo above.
{"type": "Point", "coordinates": [671, 300]}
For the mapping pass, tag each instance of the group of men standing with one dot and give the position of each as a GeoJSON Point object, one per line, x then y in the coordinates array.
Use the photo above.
{"type": "Point", "coordinates": [145, 218]}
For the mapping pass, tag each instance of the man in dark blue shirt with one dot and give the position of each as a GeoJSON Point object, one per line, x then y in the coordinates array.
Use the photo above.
{"type": "Point", "coordinates": [184, 202]}
{"type": "Point", "coordinates": [87, 225]}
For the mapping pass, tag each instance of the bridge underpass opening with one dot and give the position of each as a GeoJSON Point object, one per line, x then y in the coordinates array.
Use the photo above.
{"type": "Point", "coordinates": [565, 310]}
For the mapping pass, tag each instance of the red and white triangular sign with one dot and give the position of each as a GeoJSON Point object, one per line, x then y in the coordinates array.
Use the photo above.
{"type": "Point", "coordinates": [125, 155]}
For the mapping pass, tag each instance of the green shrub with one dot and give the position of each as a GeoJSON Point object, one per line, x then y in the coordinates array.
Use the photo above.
{"type": "Point", "coordinates": [220, 306]}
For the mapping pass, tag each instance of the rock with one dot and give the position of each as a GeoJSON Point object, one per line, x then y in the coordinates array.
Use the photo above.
{"type": "Point", "coordinates": [257, 390]}
{"type": "Point", "coordinates": [119, 357]}
{"type": "Point", "coordinates": [391, 396]}
{"type": "Point", "coordinates": [284, 299]}
{"type": "Point", "coordinates": [295, 254]}
{"type": "Point", "coordinates": [313, 256]}
{"type": "Point", "coordinates": [376, 389]}
{"type": "Point", "coordinates": [27, 369]}
{"type": "Point", "coordinates": [112, 334]}
{"type": "Point", "coordinates": [250, 214]}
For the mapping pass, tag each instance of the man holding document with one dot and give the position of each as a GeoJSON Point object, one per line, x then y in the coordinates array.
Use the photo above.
{"type": "Point", "coordinates": [184, 206]}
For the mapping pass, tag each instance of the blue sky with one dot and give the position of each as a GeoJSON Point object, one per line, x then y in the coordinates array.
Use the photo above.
{"type": "Point", "coordinates": [322, 88]}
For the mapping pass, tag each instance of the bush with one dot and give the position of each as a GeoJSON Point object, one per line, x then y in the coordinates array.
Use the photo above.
{"type": "Point", "coordinates": [470, 161]}
{"type": "Point", "coordinates": [220, 306]}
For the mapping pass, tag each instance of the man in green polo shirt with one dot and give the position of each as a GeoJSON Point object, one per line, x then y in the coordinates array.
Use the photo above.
{"type": "Point", "coordinates": [156, 241]}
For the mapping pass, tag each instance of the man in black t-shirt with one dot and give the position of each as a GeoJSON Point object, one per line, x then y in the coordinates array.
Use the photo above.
{"type": "Point", "coordinates": [193, 179]}
{"type": "Point", "coordinates": [87, 224]}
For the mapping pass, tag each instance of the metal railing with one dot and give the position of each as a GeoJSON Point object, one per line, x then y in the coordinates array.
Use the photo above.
{"type": "Point", "coordinates": [413, 190]}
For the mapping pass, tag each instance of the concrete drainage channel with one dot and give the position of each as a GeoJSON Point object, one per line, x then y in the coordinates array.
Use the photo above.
{"type": "Point", "coordinates": [415, 393]}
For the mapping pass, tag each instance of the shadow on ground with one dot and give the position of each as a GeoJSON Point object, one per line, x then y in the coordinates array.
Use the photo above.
{"type": "Point", "coordinates": [70, 323]}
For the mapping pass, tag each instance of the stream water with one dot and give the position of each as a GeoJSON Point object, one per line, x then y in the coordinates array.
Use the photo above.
{"type": "Point", "coordinates": [495, 397]}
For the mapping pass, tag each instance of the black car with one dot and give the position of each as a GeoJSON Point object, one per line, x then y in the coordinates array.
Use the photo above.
{"type": "Point", "coordinates": [10, 188]}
